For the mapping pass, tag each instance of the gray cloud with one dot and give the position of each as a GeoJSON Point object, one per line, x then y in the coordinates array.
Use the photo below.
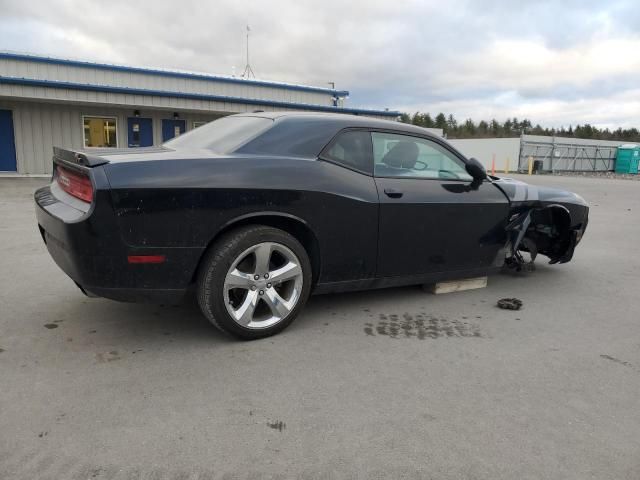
{"type": "Point", "coordinates": [554, 62]}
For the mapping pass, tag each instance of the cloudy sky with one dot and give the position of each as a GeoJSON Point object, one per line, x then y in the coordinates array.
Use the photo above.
{"type": "Point", "coordinates": [554, 62]}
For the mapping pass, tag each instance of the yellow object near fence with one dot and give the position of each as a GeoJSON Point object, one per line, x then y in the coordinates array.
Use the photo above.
{"type": "Point", "coordinates": [506, 165]}
{"type": "Point", "coordinates": [530, 165]}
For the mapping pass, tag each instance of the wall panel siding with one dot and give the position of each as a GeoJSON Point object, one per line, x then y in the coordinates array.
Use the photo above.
{"type": "Point", "coordinates": [18, 121]}
{"type": "Point", "coordinates": [76, 95]}
{"type": "Point", "coordinates": [98, 76]}
{"type": "Point", "coordinates": [41, 119]}
{"type": "Point", "coordinates": [45, 116]}
{"type": "Point", "coordinates": [28, 145]}
{"type": "Point", "coordinates": [41, 126]}
{"type": "Point", "coordinates": [506, 151]}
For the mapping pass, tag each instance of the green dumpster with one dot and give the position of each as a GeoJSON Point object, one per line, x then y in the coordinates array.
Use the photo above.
{"type": "Point", "coordinates": [627, 158]}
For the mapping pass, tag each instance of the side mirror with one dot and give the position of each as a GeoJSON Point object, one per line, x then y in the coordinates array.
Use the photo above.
{"type": "Point", "coordinates": [476, 170]}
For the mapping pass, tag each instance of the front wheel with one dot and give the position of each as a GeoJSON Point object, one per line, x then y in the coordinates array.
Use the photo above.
{"type": "Point", "coordinates": [254, 281]}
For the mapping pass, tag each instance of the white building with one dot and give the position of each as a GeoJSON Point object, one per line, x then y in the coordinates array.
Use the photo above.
{"type": "Point", "coordinates": [73, 104]}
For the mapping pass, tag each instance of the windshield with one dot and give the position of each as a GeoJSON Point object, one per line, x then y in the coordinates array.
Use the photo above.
{"type": "Point", "coordinates": [223, 135]}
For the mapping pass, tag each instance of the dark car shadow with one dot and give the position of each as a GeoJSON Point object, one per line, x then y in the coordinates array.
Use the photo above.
{"type": "Point", "coordinates": [363, 299]}
{"type": "Point", "coordinates": [105, 321]}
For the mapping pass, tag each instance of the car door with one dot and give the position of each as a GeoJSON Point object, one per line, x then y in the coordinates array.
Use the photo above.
{"type": "Point", "coordinates": [433, 217]}
{"type": "Point", "coordinates": [350, 200]}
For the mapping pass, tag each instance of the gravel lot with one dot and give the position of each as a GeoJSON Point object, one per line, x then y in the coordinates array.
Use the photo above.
{"type": "Point", "coordinates": [384, 384]}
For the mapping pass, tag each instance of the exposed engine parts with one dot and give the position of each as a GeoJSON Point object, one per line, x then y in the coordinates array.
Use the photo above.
{"type": "Point", "coordinates": [544, 230]}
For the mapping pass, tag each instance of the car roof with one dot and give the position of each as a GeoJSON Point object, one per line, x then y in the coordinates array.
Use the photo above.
{"type": "Point", "coordinates": [305, 134]}
{"type": "Point", "coordinates": [341, 120]}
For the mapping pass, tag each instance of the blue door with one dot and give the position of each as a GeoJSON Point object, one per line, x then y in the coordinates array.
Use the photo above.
{"type": "Point", "coordinates": [140, 132]}
{"type": "Point", "coordinates": [7, 143]}
{"type": "Point", "coordinates": [172, 128]}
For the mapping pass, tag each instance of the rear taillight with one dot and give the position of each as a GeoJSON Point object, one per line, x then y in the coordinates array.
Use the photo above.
{"type": "Point", "coordinates": [75, 184]}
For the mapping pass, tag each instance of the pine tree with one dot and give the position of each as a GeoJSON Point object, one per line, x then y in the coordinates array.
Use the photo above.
{"type": "Point", "coordinates": [452, 123]}
{"type": "Point", "coordinates": [428, 121]}
{"type": "Point", "coordinates": [513, 128]}
{"type": "Point", "coordinates": [469, 127]}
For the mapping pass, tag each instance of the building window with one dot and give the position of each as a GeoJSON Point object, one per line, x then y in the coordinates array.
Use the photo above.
{"type": "Point", "coordinates": [100, 132]}
{"type": "Point", "coordinates": [199, 124]}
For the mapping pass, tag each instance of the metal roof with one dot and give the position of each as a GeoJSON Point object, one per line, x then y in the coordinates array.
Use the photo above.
{"type": "Point", "coordinates": [168, 73]}
{"type": "Point", "coordinates": [193, 96]}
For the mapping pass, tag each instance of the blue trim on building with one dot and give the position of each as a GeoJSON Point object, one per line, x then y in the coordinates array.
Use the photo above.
{"type": "Point", "coordinates": [190, 96]}
{"type": "Point", "coordinates": [169, 73]}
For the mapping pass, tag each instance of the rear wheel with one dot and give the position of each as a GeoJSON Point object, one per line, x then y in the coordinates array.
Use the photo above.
{"type": "Point", "coordinates": [254, 281]}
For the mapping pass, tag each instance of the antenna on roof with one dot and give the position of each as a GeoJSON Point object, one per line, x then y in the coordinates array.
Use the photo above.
{"type": "Point", "coordinates": [248, 71]}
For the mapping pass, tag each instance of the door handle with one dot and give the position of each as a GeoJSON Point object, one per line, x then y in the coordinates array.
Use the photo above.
{"type": "Point", "coordinates": [393, 193]}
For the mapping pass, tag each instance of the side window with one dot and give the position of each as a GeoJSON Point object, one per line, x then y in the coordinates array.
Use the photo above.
{"type": "Point", "coordinates": [352, 149]}
{"type": "Point", "coordinates": [404, 156]}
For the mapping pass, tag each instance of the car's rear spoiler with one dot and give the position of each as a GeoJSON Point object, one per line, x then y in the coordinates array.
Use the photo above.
{"type": "Point", "coordinates": [79, 158]}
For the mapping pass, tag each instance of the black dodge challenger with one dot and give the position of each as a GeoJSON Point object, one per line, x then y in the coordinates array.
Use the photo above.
{"type": "Point", "coordinates": [256, 211]}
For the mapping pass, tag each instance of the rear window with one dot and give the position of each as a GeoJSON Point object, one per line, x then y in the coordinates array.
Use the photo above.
{"type": "Point", "coordinates": [224, 135]}
{"type": "Point", "coordinates": [352, 149]}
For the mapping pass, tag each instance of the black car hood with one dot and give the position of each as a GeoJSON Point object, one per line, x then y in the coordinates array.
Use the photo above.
{"type": "Point", "coordinates": [518, 192]}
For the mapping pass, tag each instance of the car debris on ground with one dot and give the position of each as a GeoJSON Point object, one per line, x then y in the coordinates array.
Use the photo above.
{"type": "Point", "coordinates": [510, 303]}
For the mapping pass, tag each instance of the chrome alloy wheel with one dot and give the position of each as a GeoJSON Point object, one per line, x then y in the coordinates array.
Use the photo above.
{"type": "Point", "coordinates": [263, 285]}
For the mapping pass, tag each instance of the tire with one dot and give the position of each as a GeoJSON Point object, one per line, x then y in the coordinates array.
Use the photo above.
{"type": "Point", "coordinates": [254, 281]}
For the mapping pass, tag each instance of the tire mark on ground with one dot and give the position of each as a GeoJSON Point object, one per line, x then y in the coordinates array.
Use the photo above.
{"type": "Point", "coordinates": [421, 327]}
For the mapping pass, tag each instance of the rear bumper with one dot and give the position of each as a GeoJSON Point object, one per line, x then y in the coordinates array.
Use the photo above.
{"type": "Point", "coordinates": [163, 296]}
{"type": "Point", "coordinates": [87, 246]}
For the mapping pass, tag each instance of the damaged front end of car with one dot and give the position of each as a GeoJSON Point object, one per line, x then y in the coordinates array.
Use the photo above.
{"type": "Point", "coordinates": [545, 230]}
{"type": "Point", "coordinates": [543, 221]}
